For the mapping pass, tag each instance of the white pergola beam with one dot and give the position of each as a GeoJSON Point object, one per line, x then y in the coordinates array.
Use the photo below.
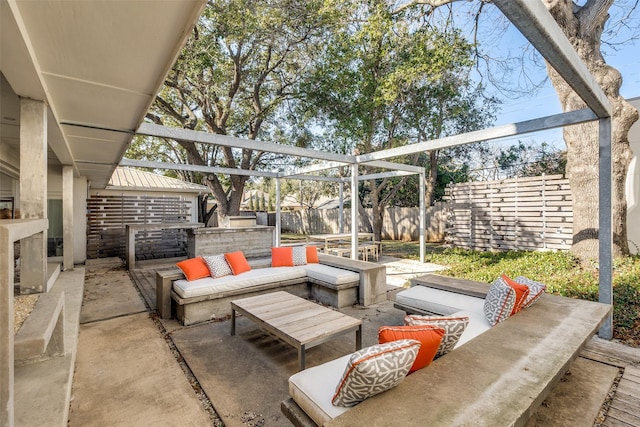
{"type": "Point", "coordinates": [395, 166]}
{"type": "Point", "coordinates": [180, 134]}
{"type": "Point", "coordinates": [536, 23]}
{"type": "Point", "coordinates": [195, 168]}
{"type": "Point", "coordinates": [520, 128]}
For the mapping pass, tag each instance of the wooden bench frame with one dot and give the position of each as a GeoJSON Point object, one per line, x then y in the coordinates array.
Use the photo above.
{"type": "Point", "coordinates": [498, 378]}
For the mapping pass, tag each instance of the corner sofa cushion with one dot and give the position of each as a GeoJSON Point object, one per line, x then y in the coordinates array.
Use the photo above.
{"type": "Point", "coordinates": [282, 257]}
{"type": "Point", "coordinates": [429, 336]}
{"type": "Point", "coordinates": [313, 389]}
{"type": "Point", "coordinates": [218, 266]}
{"type": "Point", "coordinates": [453, 328]}
{"type": "Point", "coordinates": [437, 301]}
{"type": "Point", "coordinates": [237, 262]}
{"type": "Point", "coordinates": [499, 302]}
{"type": "Point", "coordinates": [194, 268]}
{"type": "Point", "coordinates": [331, 275]}
{"type": "Point", "coordinates": [375, 369]}
{"type": "Point", "coordinates": [536, 289]}
{"type": "Point", "coordinates": [220, 285]}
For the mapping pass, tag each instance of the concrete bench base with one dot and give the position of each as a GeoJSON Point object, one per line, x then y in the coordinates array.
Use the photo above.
{"type": "Point", "coordinates": [41, 336]}
{"type": "Point", "coordinates": [370, 288]}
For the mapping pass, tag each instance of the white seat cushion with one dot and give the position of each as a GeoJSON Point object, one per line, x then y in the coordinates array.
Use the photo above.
{"type": "Point", "coordinates": [255, 277]}
{"type": "Point", "coordinates": [313, 389]}
{"type": "Point", "coordinates": [437, 301]}
{"type": "Point", "coordinates": [331, 275]}
{"type": "Point", "coordinates": [478, 324]}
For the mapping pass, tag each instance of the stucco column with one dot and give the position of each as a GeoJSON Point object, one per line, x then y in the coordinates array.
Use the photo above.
{"type": "Point", "coordinates": [67, 217]}
{"type": "Point", "coordinates": [6, 329]}
{"type": "Point", "coordinates": [33, 193]}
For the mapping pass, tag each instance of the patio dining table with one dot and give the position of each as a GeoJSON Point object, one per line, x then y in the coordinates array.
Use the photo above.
{"type": "Point", "coordinates": [327, 239]}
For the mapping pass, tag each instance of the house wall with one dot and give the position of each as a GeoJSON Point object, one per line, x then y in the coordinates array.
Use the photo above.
{"type": "Point", "coordinates": [633, 185]}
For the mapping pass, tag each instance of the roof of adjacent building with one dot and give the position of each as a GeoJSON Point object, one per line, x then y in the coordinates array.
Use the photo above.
{"type": "Point", "coordinates": [134, 179]}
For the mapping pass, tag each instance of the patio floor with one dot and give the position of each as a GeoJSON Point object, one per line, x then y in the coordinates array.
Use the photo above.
{"type": "Point", "coordinates": [244, 377]}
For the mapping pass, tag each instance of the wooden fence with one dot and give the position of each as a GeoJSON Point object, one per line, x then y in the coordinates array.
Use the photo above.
{"type": "Point", "coordinates": [398, 223]}
{"type": "Point", "coordinates": [524, 213]}
{"type": "Point", "coordinates": [107, 217]}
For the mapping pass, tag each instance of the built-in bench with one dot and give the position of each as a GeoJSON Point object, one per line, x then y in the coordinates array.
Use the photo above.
{"type": "Point", "coordinates": [498, 378]}
{"type": "Point", "coordinates": [41, 336]}
{"type": "Point", "coordinates": [335, 281]}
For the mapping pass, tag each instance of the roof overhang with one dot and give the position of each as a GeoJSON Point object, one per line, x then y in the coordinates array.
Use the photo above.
{"type": "Point", "coordinates": [98, 65]}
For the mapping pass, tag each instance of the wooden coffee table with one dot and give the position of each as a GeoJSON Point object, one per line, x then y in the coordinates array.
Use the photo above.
{"type": "Point", "coordinates": [296, 321]}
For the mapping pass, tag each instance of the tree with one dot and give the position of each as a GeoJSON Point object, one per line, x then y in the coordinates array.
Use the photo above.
{"type": "Point", "coordinates": [522, 160]}
{"type": "Point", "coordinates": [584, 24]}
{"type": "Point", "coordinates": [386, 81]}
{"type": "Point", "coordinates": [242, 64]}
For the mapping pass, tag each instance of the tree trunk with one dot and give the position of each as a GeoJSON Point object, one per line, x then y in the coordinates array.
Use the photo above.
{"type": "Point", "coordinates": [431, 178]}
{"type": "Point", "coordinates": [583, 27]}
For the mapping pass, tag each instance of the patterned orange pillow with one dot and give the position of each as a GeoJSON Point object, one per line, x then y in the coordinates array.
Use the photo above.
{"type": "Point", "coordinates": [194, 268]}
{"type": "Point", "coordinates": [282, 257]}
{"type": "Point", "coordinates": [522, 292]}
{"type": "Point", "coordinates": [312, 255]}
{"type": "Point", "coordinates": [429, 336]}
{"type": "Point", "coordinates": [237, 262]}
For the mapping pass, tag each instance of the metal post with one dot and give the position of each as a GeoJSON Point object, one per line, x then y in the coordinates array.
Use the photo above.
{"type": "Point", "coordinates": [341, 209]}
{"type": "Point", "coordinates": [422, 215]}
{"type": "Point", "coordinates": [276, 243]}
{"type": "Point", "coordinates": [605, 238]}
{"type": "Point", "coordinates": [354, 211]}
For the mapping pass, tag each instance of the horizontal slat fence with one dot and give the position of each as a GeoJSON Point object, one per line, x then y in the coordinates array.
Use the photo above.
{"type": "Point", "coordinates": [107, 217]}
{"type": "Point", "coordinates": [522, 213]}
{"type": "Point", "coordinates": [398, 223]}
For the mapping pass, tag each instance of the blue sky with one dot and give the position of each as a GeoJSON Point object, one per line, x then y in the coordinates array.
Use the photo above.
{"type": "Point", "coordinates": [544, 101]}
{"type": "Point", "coordinates": [501, 41]}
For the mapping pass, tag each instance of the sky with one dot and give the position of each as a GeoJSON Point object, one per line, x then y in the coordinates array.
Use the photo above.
{"type": "Point", "coordinates": [544, 102]}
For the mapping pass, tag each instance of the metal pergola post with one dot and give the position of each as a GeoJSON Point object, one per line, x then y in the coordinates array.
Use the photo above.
{"type": "Point", "coordinates": [278, 226]}
{"type": "Point", "coordinates": [422, 215]}
{"type": "Point", "coordinates": [354, 211]}
{"type": "Point", "coordinates": [605, 234]}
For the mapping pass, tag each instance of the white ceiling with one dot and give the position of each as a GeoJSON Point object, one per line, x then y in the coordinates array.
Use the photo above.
{"type": "Point", "coordinates": [98, 64]}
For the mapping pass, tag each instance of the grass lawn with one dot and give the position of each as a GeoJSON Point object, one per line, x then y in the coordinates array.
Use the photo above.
{"type": "Point", "coordinates": [559, 270]}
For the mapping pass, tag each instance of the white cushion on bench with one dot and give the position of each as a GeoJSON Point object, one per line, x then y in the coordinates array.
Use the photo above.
{"type": "Point", "coordinates": [313, 389]}
{"type": "Point", "coordinates": [478, 324]}
{"type": "Point", "coordinates": [438, 301]}
{"type": "Point", "coordinates": [255, 277]}
{"type": "Point", "coordinates": [331, 275]}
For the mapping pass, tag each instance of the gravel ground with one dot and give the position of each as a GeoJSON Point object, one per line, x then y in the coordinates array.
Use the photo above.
{"type": "Point", "coordinates": [22, 306]}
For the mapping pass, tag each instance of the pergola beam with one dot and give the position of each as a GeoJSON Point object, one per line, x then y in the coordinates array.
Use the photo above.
{"type": "Point", "coordinates": [536, 23]}
{"type": "Point", "coordinates": [520, 128]}
{"type": "Point", "coordinates": [180, 134]}
{"type": "Point", "coordinates": [195, 168]}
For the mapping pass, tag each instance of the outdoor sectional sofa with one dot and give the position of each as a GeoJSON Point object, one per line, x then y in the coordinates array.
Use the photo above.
{"type": "Point", "coordinates": [496, 375]}
{"type": "Point", "coordinates": [335, 281]}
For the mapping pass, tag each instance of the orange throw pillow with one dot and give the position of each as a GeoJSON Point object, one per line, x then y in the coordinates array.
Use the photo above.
{"type": "Point", "coordinates": [237, 262]}
{"type": "Point", "coordinates": [522, 292]}
{"type": "Point", "coordinates": [312, 255]}
{"type": "Point", "coordinates": [282, 257]}
{"type": "Point", "coordinates": [428, 335]}
{"type": "Point", "coordinates": [194, 268]}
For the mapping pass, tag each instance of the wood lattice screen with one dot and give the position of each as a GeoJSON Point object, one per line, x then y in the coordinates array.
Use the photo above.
{"type": "Point", "coordinates": [523, 213]}
{"type": "Point", "coordinates": [107, 217]}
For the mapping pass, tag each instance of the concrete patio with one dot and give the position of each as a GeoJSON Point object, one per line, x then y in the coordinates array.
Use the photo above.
{"type": "Point", "coordinates": [133, 369]}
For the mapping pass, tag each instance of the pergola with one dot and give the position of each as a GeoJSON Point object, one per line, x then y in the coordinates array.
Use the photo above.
{"type": "Point", "coordinates": [538, 26]}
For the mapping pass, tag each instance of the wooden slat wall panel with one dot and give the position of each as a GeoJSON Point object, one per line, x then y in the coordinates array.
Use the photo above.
{"type": "Point", "coordinates": [524, 213]}
{"type": "Point", "coordinates": [107, 217]}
